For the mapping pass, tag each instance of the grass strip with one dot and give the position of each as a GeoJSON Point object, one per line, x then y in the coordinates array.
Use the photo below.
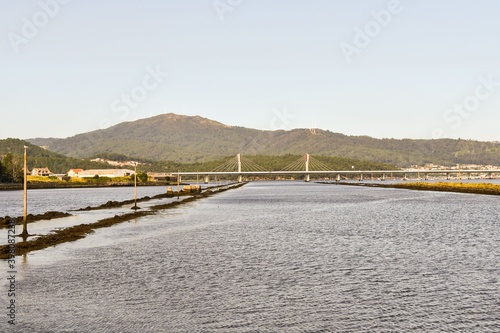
{"type": "Point", "coordinates": [472, 188]}
{"type": "Point", "coordinates": [481, 188]}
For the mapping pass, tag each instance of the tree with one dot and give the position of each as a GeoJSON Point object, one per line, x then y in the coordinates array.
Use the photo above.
{"type": "Point", "coordinates": [12, 169]}
{"type": "Point", "coordinates": [1, 172]}
{"type": "Point", "coordinates": [142, 177]}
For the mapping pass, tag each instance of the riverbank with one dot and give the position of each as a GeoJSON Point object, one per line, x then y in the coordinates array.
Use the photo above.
{"type": "Point", "coordinates": [481, 188]}
{"type": "Point", "coordinates": [80, 231]}
{"type": "Point", "coordinates": [54, 185]}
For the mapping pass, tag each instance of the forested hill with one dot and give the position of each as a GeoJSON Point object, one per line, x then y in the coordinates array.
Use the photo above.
{"type": "Point", "coordinates": [11, 160]}
{"type": "Point", "coordinates": [194, 139]}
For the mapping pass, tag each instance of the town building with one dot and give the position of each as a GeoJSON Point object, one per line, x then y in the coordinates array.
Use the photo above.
{"type": "Point", "coordinates": [159, 176]}
{"type": "Point", "coordinates": [41, 172]}
{"type": "Point", "coordinates": [111, 173]}
{"type": "Point", "coordinates": [115, 163]}
{"type": "Point", "coordinates": [74, 172]}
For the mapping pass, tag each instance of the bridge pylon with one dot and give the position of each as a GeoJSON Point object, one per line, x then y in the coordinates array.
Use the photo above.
{"type": "Point", "coordinates": [238, 158]}
{"type": "Point", "coordinates": [308, 176]}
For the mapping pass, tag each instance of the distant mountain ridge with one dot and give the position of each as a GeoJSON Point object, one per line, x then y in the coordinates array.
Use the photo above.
{"type": "Point", "coordinates": [191, 139]}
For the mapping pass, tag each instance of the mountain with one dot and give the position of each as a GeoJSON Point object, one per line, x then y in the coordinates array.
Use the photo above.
{"type": "Point", "coordinates": [11, 162]}
{"type": "Point", "coordinates": [196, 139]}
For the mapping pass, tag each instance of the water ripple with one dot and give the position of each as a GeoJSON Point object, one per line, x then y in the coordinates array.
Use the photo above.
{"type": "Point", "coordinates": [290, 257]}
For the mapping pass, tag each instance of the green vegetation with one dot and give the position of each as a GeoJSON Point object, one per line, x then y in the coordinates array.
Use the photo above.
{"type": "Point", "coordinates": [11, 153]}
{"type": "Point", "coordinates": [11, 169]}
{"type": "Point", "coordinates": [171, 137]}
{"type": "Point", "coordinates": [12, 150]}
{"type": "Point", "coordinates": [482, 188]}
{"type": "Point", "coordinates": [142, 177]}
{"type": "Point", "coordinates": [270, 163]}
{"type": "Point", "coordinates": [91, 180]}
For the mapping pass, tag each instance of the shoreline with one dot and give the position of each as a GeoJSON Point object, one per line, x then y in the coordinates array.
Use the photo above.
{"type": "Point", "coordinates": [82, 230]}
{"type": "Point", "coordinates": [452, 187]}
{"type": "Point", "coordinates": [48, 185]}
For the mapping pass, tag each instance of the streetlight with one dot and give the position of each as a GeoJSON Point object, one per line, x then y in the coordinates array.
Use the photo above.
{"type": "Point", "coordinates": [25, 197]}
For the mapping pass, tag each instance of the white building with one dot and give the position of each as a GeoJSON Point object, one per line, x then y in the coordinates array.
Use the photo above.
{"type": "Point", "coordinates": [41, 172]}
{"type": "Point", "coordinates": [74, 172]}
{"type": "Point", "coordinates": [111, 173]}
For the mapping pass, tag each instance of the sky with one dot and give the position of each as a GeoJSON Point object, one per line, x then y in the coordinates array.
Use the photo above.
{"type": "Point", "coordinates": [387, 69]}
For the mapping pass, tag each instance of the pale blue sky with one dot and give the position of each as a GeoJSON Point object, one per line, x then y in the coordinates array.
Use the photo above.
{"type": "Point", "coordinates": [268, 64]}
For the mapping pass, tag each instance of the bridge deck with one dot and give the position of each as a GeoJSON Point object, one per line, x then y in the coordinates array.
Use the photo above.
{"type": "Point", "coordinates": [341, 172]}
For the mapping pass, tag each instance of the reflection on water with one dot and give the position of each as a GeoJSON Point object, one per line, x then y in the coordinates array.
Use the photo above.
{"type": "Point", "coordinates": [278, 257]}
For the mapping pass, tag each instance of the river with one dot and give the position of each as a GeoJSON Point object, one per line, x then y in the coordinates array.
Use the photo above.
{"type": "Point", "coordinates": [276, 257]}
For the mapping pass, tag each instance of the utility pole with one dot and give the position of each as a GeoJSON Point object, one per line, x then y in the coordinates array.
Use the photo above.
{"type": "Point", "coordinates": [178, 183]}
{"type": "Point", "coordinates": [25, 197]}
{"type": "Point", "coordinates": [135, 185]}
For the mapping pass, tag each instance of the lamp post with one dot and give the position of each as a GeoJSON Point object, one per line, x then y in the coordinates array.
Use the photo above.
{"type": "Point", "coordinates": [25, 197]}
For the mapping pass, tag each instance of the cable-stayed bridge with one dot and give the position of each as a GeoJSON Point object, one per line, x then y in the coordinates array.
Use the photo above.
{"type": "Point", "coordinates": [307, 166]}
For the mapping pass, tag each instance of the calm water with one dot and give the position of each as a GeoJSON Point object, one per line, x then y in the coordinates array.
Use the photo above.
{"type": "Point", "coordinates": [277, 257]}
{"type": "Point", "coordinates": [66, 199]}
